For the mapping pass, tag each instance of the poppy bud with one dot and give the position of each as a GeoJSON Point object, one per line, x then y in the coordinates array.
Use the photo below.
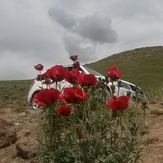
{"type": "Point", "coordinates": [47, 81]}
{"type": "Point", "coordinates": [128, 93]}
{"type": "Point", "coordinates": [74, 58]}
{"type": "Point", "coordinates": [101, 83]}
{"type": "Point", "coordinates": [39, 67]}
{"type": "Point", "coordinates": [112, 88]}
{"type": "Point", "coordinates": [85, 88]}
{"type": "Point", "coordinates": [107, 79]}
{"type": "Point", "coordinates": [135, 88]}
{"type": "Point", "coordinates": [144, 105]}
{"type": "Point", "coordinates": [76, 64]}
{"type": "Point", "coordinates": [119, 83]}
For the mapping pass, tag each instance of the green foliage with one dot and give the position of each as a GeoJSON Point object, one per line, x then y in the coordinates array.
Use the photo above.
{"type": "Point", "coordinates": [92, 134]}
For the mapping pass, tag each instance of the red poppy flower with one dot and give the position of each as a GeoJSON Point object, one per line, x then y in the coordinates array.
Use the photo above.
{"type": "Point", "coordinates": [74, 58]}
{"type": "Point", "coordinates": [114, 74]}
{"type": "Point", "coordinates": [46, 96]}
{"type": "Point", "coordinates": [56, 73]}
{"type": "Point", "coordinates": [64, 110]}
{"type": "Point", "coordinates": [76, 64]}
{"type": "Point", "coordinates": [73, 95]}
{"type": "Point", "coordinates": [39, 67]}
{"type": "Point", "coordinates": [119, 103]}
{"type": "Point", "coordinates": [87, 80]}
{"type": "Point", "coordinates": [71, 76]}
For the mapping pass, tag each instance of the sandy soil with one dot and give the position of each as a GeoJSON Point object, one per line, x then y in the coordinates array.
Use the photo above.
{"type": "Point", "coordinates": [152, 150]}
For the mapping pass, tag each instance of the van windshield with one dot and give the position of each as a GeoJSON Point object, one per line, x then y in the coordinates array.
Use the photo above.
{"type": "Point", "coordinates": [91, 71]}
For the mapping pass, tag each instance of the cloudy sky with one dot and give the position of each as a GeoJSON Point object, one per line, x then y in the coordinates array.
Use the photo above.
{"type": "Point", "coordinates": [49, 31]}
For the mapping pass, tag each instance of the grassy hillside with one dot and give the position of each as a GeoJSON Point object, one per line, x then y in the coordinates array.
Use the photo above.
{"type": "Point", "coordinates": [143, 66]}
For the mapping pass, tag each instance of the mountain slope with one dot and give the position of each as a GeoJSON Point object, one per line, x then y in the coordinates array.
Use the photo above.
{"type": "Point", "coordinates": [142, 66]}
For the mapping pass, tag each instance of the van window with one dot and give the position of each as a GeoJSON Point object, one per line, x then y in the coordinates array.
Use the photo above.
{"type": "Point", "coordinates": [91, 71]}
{"type": "Point", "coordinates": [71, 67]}
{"type": "Point", "coordinates": [125, 85]}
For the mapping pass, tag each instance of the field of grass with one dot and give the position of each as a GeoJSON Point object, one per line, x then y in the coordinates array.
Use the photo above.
{"type": "Point", "coordinates": [14, 93]}
{"type": "Point", "coordinates": [143, 67]}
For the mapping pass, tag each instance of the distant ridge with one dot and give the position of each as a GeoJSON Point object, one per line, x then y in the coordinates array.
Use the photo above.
{"type": "Point", "coordinates": [142, 66]}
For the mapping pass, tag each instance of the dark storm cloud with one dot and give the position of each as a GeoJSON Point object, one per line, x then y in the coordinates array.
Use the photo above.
{"type": "Point", "coordinates": [75, 45]}
{"type": "Point", "coordinates": [66, 20]}
{"type": "Point", "coordinates": [95, 27]}
{"type": "Point", "coordinates": [83, 34]}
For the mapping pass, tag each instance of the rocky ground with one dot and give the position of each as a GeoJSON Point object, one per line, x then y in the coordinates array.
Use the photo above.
{"type": "Point", "coordinates": [23, 146]}
{"type": "Point", "coordinates": [26, 125]}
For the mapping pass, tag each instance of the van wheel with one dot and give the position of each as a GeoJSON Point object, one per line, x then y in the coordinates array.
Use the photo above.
{"type": "Point", "coordinates": [34, 106]}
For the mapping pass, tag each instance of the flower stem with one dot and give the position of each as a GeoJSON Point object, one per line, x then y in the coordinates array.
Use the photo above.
{"type": "Point", "coordinates": [51, 125]}
{"type": "Point", "coordinates": [41, 79]}
{"type": "Point", "coordinates": [74, 125]}
{"type": "Point", "coordinates": [120, 116]}
{"type": "Point", "coordinates": [144, 116]}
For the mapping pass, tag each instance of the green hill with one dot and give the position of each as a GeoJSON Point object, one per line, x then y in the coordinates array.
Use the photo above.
{"type": "Point", "coordinates": [142, 66]}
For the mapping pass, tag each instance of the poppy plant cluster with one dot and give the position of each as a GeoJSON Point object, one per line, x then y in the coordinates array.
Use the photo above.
{"type": "Point", "coordinates": [114, 74]}
{"type": "Point", "coordinates": [74, 114]}
{"type": "Point", "coordinates": [74, 95]}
